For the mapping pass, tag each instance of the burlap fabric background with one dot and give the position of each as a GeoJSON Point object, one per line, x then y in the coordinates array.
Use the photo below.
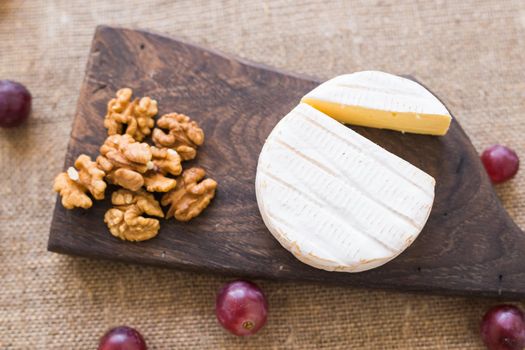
{"type": "Point", "coordinates": [470, 52]}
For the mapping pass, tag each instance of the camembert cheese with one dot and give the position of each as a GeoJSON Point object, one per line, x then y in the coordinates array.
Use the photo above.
{"type": "Point", "coordinates": [336, 200]}
{"type": "Point", "coordinates": [381, 100]}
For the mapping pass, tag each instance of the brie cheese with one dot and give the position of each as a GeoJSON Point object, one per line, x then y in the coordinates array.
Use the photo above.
{"type": "Point", "coordinates": [381, 100]}
{"type": "Point", "coordinates": [336, 200]}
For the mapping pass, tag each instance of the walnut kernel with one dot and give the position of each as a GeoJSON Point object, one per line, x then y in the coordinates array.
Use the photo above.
{"type": "Point", "coordinates": [125, 220]}
{"type": "Point", "coordinates": [72, 193]}
{"type": "Point", "coordinates": [190, 197]}
{"type": "Point", "coordinates": [137, 115]}
{"type": "Point", "coordinates": [73, 184]}
{"type": "Point", "coordinates": [184, 135]}
{"type": "Point", "coordinates": [122, 151]}
{"type": "Point", "coordinates": [91, 176]}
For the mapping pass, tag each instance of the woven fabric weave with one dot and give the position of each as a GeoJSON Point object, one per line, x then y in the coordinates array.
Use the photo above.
{"type": "Point", "coordinates": [470, 53]}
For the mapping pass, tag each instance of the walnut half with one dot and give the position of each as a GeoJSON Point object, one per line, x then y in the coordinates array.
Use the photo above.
{"type": "Point", "coordinates": [136, 114]}
{"type": "Point", "coordinates": [132, 164]}
{"type": "Point", "coordinates": [75, 183]}
{"type": "Point", "coordinates": [184, 135]}
{"type": "Point", "coordinates": [165, 161]}
{"type": "Point", "coordinates": [91, 176]}
{"type": "Point", "coordinates": [122, 151]}
{"type": "Point", "coordinates": [124, 160]}
{"type": "Point", "coordinates": [125, 221]}
{"type": "Point", "coordinates": [73, 194]}
{"type": "Point", "coordinates": [190, 197]}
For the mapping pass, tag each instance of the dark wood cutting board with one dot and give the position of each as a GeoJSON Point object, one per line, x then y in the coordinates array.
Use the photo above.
{"type": "Point", "coordinates": [468, 246]}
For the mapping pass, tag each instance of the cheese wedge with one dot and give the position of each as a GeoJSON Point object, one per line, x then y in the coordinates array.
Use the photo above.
{"type": "Point", "coordinates": [336, 200]}
{"type": "Point", "coordinates": [381, 100]}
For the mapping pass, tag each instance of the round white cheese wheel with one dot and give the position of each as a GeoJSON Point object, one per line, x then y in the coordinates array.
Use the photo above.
{"type": "Point", "coordinates": [336, 200]}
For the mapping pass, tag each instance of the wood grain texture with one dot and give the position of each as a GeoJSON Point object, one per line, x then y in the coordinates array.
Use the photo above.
{"type": "Point", "coordinates": [468, 246]}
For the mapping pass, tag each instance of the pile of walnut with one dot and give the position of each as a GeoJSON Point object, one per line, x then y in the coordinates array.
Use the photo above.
{"type": "Point", "coordinates": [134, 165]}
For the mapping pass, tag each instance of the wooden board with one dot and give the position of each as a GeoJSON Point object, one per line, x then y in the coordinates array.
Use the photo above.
{"type": "Point", "coordinates": [469, 245]}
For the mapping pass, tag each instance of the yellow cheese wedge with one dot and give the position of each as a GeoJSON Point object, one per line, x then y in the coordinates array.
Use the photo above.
{"type": "Point", "coordinates": [381, 100]}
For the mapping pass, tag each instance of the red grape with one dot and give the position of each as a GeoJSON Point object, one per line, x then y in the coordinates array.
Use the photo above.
{"type": "Point", "coordinates": [15, 103]}
{"type": "Point", "coordinates": [241, 307]}
{"type": "Point", "coordinates": [122, 338]}
{"type": "Point", "coordinates": [501, 163]}
{"type": "Point", "coordinates": [503, 328]}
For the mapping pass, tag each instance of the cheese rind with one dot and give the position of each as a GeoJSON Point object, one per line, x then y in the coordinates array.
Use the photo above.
{"type": "Point", "coordinates": [336, 200]}
{"type": "Point", "coordinates": [381, 100]}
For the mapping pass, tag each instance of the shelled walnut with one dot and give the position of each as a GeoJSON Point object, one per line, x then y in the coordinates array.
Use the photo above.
{"type": "Point", "coordinates": [125, 160]}
{"type": "Point", "coordinates": [125, 220]}
{"type": "Point", "coordinates": [124, 151]}
{"type": "Point", "coordinates": [75, 183]}
{"type": "Point", "coordinates": [132, 164]}
{"type": "Point", "coordinates": [166, 161]}
{"type": "Point", "coordinates": [73, 194]}
{"type": "Point", "coordinates": [184, 135]}
{"type": "Point", "coordinates": [136, 114]}
{"type": "Point", "coordinates": [91, 176]}
{"type": "Point", "coordinates": [190, 197]}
